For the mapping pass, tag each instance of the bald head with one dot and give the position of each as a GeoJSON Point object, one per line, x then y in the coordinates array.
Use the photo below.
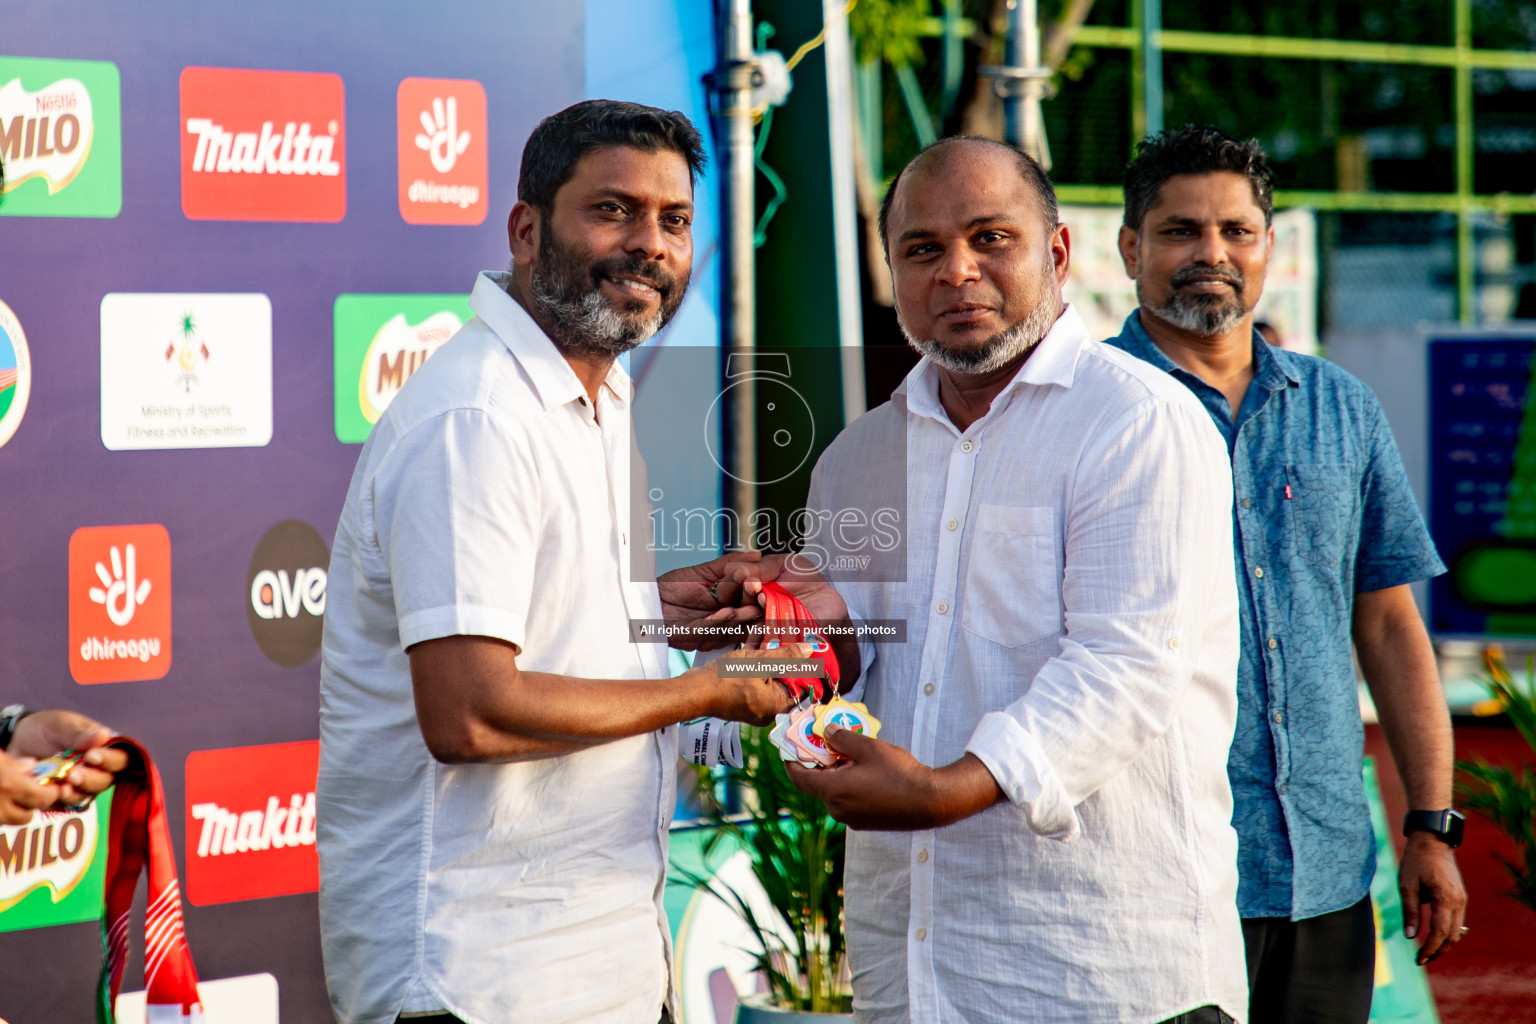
{"type": "Point", "coordinates": [940, 156]}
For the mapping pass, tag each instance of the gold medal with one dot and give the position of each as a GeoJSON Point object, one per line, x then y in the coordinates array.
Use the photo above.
{"type": "Point", "coordinates": [846, 715]}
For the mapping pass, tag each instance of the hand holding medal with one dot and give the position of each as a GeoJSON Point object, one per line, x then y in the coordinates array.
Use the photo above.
{"type": "Point", "coordinates": [801, 734]}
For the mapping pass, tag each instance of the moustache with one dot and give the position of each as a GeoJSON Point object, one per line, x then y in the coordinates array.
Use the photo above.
{"type": "Point", "coordinates": [1186, 275]}
{"type": "Point", "coordinates": [636, 267]}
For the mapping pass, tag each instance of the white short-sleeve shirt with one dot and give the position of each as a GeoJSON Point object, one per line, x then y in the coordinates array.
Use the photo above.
{"type": "Point", "coordinates": [491, 499]}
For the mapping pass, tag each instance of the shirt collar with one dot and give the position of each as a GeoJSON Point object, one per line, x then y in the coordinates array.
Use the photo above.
{"type": "Point", "coordinates": [1273, 368]}
{"type": "Point", "coordinates": [554, 381]}
{"type": "Point", "coordinates": [1054, 361]}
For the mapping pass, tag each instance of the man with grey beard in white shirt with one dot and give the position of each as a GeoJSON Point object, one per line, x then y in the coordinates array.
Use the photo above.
{"type": "Point", "coordinates": [1043, 829]}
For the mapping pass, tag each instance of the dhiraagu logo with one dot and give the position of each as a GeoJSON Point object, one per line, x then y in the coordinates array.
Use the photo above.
{"type": "Point", "coordinates": [380, 341]}
{"type": "Point", "coordinates": [60, 138]}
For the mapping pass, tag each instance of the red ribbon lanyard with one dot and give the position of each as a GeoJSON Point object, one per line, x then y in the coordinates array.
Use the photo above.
{"type": "Point", "coordinates": [788, 621]}
{"type": "Point", "coordinates": [139, 833]}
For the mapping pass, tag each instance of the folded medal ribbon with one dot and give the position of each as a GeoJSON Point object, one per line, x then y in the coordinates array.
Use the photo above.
{"type": "Point", "coordinates": [139, 837]}
{"type": "Point", "coordinates": [789, 622]}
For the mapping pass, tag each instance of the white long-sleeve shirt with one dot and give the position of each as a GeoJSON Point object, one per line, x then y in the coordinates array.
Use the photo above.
{"type": "Point", "coordinates": [1071, 620]}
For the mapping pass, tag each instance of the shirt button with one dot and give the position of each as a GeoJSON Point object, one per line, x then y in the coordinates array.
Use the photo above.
{"type": "Point", "coordinates": [966, 446]}
{"type": "Point", "coordinates": [943, 607]}
{"type": "Point", "coordinates": [1173, 642]}
{"type": "Point", "coordinates": [1247, 503]}
{"type": "Point", "coordinates": [1259, 573]}
{"type": "Point", "coordinates": [928, 689]}
{"type": "Point", "coordinates": [1281, 787]}
{"type": "Point", "coordinates": [1279, 718]}
{"type": "Point", "coordinates": [922, 933]}
{"type": "Point", "coordinates": [1273, 643]}
{"type": "Point", "coordinates": [922, 858]}
{"type": "Point", "coordinates": [953, 524]}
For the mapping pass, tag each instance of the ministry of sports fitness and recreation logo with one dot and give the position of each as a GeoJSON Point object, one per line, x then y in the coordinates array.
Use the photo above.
{"type": "Point", "coordinates": [251, 822]}
{"type": "Point", "coordinates": [380, 341]}
{"type": "Point", "coordinates": [119, 603]}
{"type": "Point", "coordinates": [60, 138]}
{"type": "Point", "coordinates": [263, 145]}
{"type": "Point", "coordinates": [187, 370]}
{"type": "Point", "coordinates": [15, 373]}
{"type": "Point", "coordinates": [442, 146]}
{"type": "Point", "coordinates": [52, 868]}
{"type": "Point", "coordinates": [285, 591]}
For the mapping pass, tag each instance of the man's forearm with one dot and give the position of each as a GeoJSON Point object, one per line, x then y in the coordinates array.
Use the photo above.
{"type": "Point", "coordinates": [474, 704]}
{"type": "Point", "coordinates": [1399, 667]}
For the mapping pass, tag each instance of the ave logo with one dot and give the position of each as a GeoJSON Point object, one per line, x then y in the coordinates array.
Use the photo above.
{"type": "Point", "coordinates": [251, 822]}
{"type": "Point", "coordinates": [285, 586]}
{"type": "Point", "coordinates": [443, 176]}
{"type": "Point", "coordinates": [263, 145]}
{"type": "Point", "coordinates": [119, 603]}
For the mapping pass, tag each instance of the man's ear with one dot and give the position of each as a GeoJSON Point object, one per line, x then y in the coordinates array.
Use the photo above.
{"type": "Point", "coordinates": [1130, 243]}
{"type": "Point", "coordinates": [1061, 254]}
{"type": "Point", "coordinates": [523, 226]}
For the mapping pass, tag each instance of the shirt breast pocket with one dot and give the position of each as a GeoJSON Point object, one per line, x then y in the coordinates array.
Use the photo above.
{"type": "Point", "coordinates": [1321, 511]}
{"type": "Point", "coordinates": [1013, 585]}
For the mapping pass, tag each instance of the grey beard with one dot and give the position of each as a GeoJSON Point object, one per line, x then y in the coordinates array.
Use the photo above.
{"type": "Point", "coordinates": [997, 351]}
{"type": "Point", "coordinates": [1206, 319]}
{"type": "Point", "coordinates": [590, 324]}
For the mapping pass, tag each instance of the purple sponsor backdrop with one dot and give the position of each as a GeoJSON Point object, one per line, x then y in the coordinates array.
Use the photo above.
{"type": "Point", "coordinates": [217, 504]}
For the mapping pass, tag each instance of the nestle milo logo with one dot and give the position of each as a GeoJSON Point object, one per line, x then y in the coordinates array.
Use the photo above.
{"type": "Point", "coordinates": [52, 869]}
{"type": "Point", "coordinates": [60, 138]}
{"type": "Point", "coordinates": [381, 341]}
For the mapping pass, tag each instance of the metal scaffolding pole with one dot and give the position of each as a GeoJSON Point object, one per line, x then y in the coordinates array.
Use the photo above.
{"type": "Point", "coordinates": [1021, 82]}
{"type": "Point", "coordinates": [1152, 64]}
{"type": "Point", "coordinates": [731, 84]}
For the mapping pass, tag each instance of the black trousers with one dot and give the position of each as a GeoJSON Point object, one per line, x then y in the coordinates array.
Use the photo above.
{"type": "Point", "coordinates": [1204, 1015]}
{"type": "Point", "coordinates": [448, 1018]}
{"type": "Point", "coordinates": [1318, 971]}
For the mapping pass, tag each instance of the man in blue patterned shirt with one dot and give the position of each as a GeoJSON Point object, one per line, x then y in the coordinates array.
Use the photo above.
{"type": "Point", "coordinates": [1328, 538]}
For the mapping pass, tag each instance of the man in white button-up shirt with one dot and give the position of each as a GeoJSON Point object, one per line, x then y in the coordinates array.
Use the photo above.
{"type": "Point", "coordinates": [1043, 830]}
{"type": "Point", "coordinates": [497, 757]}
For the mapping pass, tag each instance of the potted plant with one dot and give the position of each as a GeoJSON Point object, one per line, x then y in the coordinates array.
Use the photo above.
{"type": "Point", "coordinates": [796, 852]}
{"type": "Point", "coordinates": [1507, 796]}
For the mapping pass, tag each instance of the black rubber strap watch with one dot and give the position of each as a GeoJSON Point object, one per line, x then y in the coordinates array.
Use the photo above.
{"type": "Point", "coordinates": [1445, 825]}
{"type": "Point", "coordinates": [9, 716]}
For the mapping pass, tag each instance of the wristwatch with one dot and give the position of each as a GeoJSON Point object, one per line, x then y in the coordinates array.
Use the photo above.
{"type": "Point", "coordinates": [9, 716]}
{"type": "Point", "coordinates": [1445, 825]}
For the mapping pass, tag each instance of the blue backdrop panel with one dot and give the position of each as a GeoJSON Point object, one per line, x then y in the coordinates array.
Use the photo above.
{"type": "Point", "coordinates": [1482, 466]}
{"type": "Point", "coordinates": [219, 505]}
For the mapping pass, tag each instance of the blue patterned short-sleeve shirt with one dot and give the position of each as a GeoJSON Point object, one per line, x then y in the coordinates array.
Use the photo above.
{"type": "Point", "coordinates": [1323, 511]}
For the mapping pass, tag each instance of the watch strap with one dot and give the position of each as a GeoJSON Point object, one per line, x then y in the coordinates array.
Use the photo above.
{"type": "Point", "coordinates": [1445, 824]}
{"type": "Point", "coordinates": [9, 716]}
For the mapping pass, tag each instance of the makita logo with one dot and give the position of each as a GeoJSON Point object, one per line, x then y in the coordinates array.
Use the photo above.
{"type": "Point", "coordinates": [293, 150]}
{"type": "Point", "coordinates": [274, 595]}
{"type": "Point", "coordinates": [277, 827]}
{"type": "Point", "coordinates": [263, 145]}
{"type": "Point", "coordinates": [102, 648]}
{"type": "Point", "coordinates": [250, 819]}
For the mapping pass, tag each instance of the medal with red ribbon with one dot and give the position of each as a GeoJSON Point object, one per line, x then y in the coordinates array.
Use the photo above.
{"type": "Point", "coordinates": [138, 837]}
{"type": "Point", "coordinates": [788, 621]}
